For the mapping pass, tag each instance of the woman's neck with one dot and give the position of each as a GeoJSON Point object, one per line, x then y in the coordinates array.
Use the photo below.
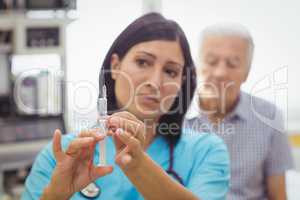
{"type": "Point", "coordinates": [150, 131]}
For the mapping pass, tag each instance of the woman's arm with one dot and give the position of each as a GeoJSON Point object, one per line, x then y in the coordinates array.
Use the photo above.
{"type": "Point", "coordinates": [149, 178]}
{"type": "Point", "coordinates": [154, 183]}
{"type": "Point", "coordinates": [50, 194]}
{"type": "Point", "coordinates": [209, 178]}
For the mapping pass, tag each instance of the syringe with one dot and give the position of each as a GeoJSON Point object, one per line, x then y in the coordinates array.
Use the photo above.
{"type": "Point", "coordinates": [102, 112]}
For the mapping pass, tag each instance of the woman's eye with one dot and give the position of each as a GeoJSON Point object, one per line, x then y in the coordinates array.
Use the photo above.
{"type": "Point", "coordinates": [171, 73]}
{"type": "Point", "coordinates": [142, 63]}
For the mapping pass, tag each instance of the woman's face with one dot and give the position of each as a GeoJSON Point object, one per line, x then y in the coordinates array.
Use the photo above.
{"type": "Point", "coordinates": [148, 78]}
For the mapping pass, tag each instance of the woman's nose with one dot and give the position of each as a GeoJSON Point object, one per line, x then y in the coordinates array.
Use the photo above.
{"type": "Point", "coordinates": [155, 79]}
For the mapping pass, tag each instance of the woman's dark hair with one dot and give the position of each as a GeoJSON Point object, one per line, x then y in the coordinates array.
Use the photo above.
{"type": "Point", "coordinates": [149, 27]}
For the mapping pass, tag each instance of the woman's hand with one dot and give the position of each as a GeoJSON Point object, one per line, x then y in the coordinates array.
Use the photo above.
{"type": "Point", "coordinates": [129, 137]}
{"type": "Point", "coordinates": [74, 168]}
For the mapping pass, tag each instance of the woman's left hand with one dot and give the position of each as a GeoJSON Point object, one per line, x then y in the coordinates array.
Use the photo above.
{"type": "Point", "coordinates": [129, 137]}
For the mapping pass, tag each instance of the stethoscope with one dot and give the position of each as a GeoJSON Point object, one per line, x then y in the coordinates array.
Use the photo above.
{"type": "Point", "coordinates": [93, 191]}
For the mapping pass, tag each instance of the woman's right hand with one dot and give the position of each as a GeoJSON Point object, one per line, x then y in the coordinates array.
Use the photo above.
{"type": "Point", "coordinates": [74, 168]}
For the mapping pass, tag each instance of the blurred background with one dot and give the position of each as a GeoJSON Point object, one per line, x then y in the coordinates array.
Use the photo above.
{"type": "Point", "coordinates": [51, 53]}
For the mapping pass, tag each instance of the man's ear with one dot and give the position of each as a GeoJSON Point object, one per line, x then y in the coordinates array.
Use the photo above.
{"type": "Point", "coordinates": [115, 66]}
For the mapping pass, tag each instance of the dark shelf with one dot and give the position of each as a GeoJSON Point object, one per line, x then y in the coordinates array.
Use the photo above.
{"type": "Point", "coordinates": [20, 129]}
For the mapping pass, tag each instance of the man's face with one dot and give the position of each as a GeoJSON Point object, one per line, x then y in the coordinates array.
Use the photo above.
{"type": "Point", "coordinates": [224, 66]}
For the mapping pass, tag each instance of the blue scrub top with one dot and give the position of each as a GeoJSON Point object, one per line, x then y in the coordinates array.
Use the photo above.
{"type": "Point", "coordinates": [200, 159]}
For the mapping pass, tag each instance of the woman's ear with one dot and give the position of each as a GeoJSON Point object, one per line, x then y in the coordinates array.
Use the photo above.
{"type": "Point", "coordinates": [115, 66]}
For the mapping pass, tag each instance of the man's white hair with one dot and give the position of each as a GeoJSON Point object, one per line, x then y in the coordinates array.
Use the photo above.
{"type": "Point", "coordinates": [229, 29]}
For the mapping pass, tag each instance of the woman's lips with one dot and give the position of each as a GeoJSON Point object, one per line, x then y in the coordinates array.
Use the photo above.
{"type": "Point", "coordinates": [149, 98]}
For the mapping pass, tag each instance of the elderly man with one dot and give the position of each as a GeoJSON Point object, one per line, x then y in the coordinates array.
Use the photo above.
{"type": "Point", "coordinates": [251, 127]}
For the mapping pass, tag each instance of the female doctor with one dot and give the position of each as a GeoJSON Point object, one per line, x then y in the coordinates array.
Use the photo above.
{"type": "Point", "coordinates": [150, 77]}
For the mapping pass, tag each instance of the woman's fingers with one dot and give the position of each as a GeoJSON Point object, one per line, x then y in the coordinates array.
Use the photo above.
{"type": "Point", "coordinates": [133, 144]}
{"type": "Point", "coordinates": [98, 171]}
{"type": "Point", "coordinates": [118, 143]}
{"type": "Point", "coordinates": [92, 133]}
{"type": "Point", "coordinates": [78, 144]}
{"type": "Point", "coordinates": [125, 114]}
{"type": "Point", "coordinates": [56, 146]}
{"type": "Point", "coordinates": [136, 128]}
{"type": "Point", "coordinates": [88, 153]}
{"type": "Point", "coordinates": [126, 124]}
{"type": "Point", "coordinates": [126, 159]}
{"type": "Point", "coordinates": [123, 158]}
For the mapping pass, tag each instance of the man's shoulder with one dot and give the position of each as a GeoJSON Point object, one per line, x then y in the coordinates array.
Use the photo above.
{"type": "Point", "coordinates": [259, 106]}
{"type": "Point", "coordinates": [264, 113]}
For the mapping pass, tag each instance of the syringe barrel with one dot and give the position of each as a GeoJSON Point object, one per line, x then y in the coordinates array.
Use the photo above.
{"type": "Point", "coordinates": [102, 146]}
{"type": "Point", "coordinates": [102, 107]}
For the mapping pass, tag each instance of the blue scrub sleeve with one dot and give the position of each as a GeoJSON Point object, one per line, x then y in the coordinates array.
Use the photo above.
{"type": "Point", "coordinates": [211, 173]}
